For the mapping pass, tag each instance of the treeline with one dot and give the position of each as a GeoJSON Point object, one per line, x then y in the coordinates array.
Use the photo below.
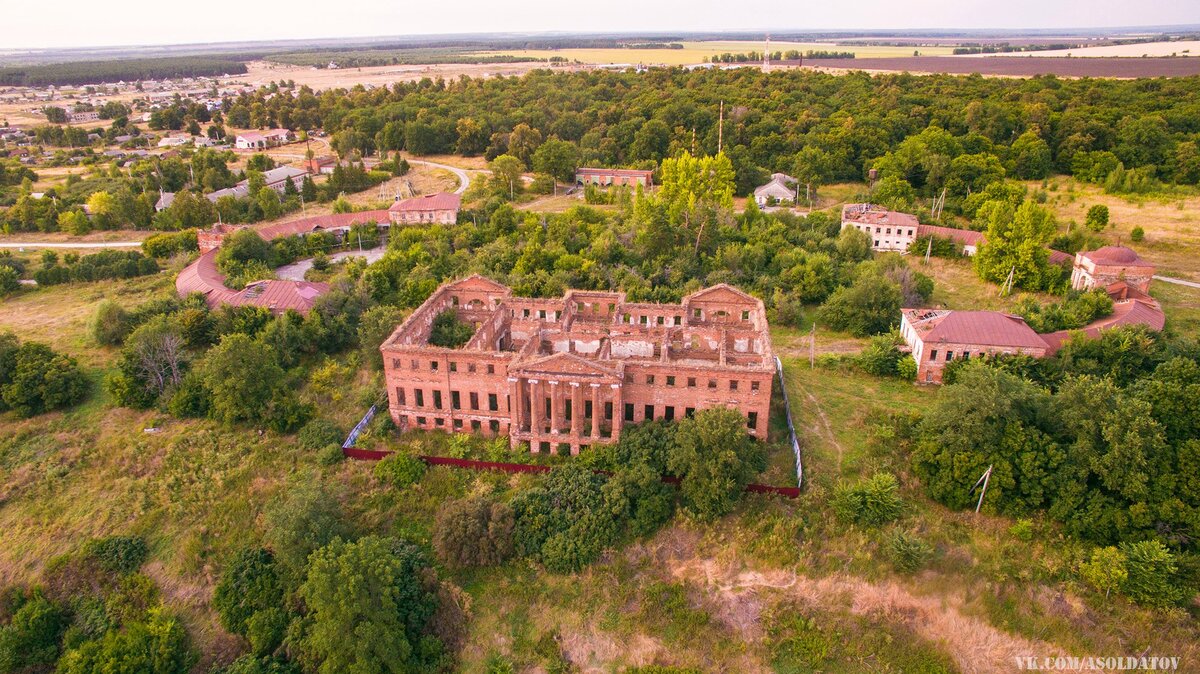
{"type": "Point", "coordinates": [127, 70]}
{"type": "Point", "coordinates": [827, 128]}
{"type": "Point", "coordinates": [368, 57]}
{"type": "Point", "coordinates": [99, 266]}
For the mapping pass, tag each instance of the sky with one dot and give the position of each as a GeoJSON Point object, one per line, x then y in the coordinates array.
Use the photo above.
{"type": "Point", "coordinates": [85, 23]}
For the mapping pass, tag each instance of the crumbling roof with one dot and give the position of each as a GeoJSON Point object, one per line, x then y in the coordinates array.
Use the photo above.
{"type": "Point", "coordinates": [966, 237]}
{"type": "Point", "coordinates": [872, 214]}
{"type": "Point", "coordinates": [202, 276]}
{"type": "Point", "coordinates": [320, 223]}
{"type": "Point", "coordinates": [985, 328]}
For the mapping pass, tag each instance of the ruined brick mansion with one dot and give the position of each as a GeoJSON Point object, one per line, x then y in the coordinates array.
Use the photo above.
{"type": "Point", "coordinates": [566, 373]}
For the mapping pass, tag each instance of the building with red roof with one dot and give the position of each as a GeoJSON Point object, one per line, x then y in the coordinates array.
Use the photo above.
{"type": "Point", "coordinates": [889, 230]}
{"type": "Point", "coordinates": [605, 177]}
{"type": "Point", "coordinates": [939, 336]}
{"type": "Point", "coordinates": [437, 208]}
{"type": "Point", "coordinates": [1102, 267]}
{"type": "Point", "coordinates": [202, 276]}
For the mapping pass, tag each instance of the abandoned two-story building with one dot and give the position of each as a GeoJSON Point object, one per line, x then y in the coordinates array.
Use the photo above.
{"type": "Point", "coordinates": [567, 373]}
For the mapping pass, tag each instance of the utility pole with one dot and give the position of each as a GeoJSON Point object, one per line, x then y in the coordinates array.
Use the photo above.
{"type": "Point", "coordinates": [721, 129]}
{"type": "Point", "coordinates": [928, 250]}
{"type": "Point", "coordinates": [987, 474]}
{"type": "Point", "coordinates": [812, 347]}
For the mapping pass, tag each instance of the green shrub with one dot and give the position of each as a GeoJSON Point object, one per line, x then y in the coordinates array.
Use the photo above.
{"type": "Point", "coordinates": [319, 433]}
{"type": "Point", "coordinates": [881, 357]}
{"type": "Point", "coordinates": [31, 638]}
{"type": "Point", "coordinates": [448, 331]}
{"type": "Point", "coordinates": [906, 369]}
{"type": "Point", "coordinates": [1022, 529]}
{"type": "Point", "coordinates": [36, 379]}
{"type": "Point", "coordinates": [119, 554]}
{"type": "Point", "coordinates": [331, 455]}
{"type": "Point", "coordinates": [1137, 234]}
{"type": "Point", "coordinates": [111, 324]}
{"type": "Point", "coordinates": [10, 280]}
{"type": "Point", "coordinates": [473, 532]}
{"type": "Point", "coordinates": [907, 551]}
{"type": "Point", "coordinates": [1151, 574]}
{"type": "Point", "coordinates": [871, 502]}
{"type": "Point", "coordinates": [1097, 218]}
{"type": "Point", "coordinates": [400, 470]}
{"type": "Point", "coordinates": [265, 630]}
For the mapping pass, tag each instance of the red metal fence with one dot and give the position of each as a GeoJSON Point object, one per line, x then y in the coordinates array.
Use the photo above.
{"type": "Point", "coordinates": [376, 454]}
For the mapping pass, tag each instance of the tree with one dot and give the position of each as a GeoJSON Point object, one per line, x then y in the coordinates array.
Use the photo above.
{"type": "Point", "coordinates": [473, 532]}
{"type": "Point", "coordinates": [158, 645]}
{"type": "Point", "coordinates": [558, 158]}
{"type": "Point", "coordinates": [372, 589]}
{"type": "Point", "coordinates": [242, 376]}
{"type": "Point", "coordinates": [153, 362]}
{"type": "Point", "coordinates": [1016, 245]}
{"type": "Point", "coordinates": [1097, 218]}
{"type": "Point", "coordinates": [375, 326]}
{"type": "Point", "coordinates": [523, 140]}
{"type": "Point", "coordinates": [448, 331]}
{"type": "Point", "coordinates": [31, 638]}
{"type": "Point", "coordinates": [506, 174]}
{"type": "Point", "coordinates": [715, 458]}
{"type": "Point", "coordinates": [652, 142]}
{"type": "Point", "coordinates": [1150, 574]}
{"type": "Point", "coordinates": [1105, 570]}
{"type": "Point", "coordinates": [249, 584]}
{"type": "Point", "coordinates": [688, 180]}
{"type": "Point", "coordinates": [10, 280]}
{"type": "Point", "coordinates": [34, 379]}
{"type": "Point", "coordinates": [300, 521]}
{"type": "Point", "coordinates": [894, 192]}
{"type": "Point", "coordinates": [1030, 157]}
{"type": "Point", "coordinates": [869, 306]}
{"type": "Point", "coordinates": [472, 137]}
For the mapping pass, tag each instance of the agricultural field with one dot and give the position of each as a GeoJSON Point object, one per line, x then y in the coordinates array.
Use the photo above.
{"type": "Point", "coordinates": [698, 52]}
{"type": "Point", "coordinates": [1137, 50]}
{"type": "Point", "coordinates": [1024, 66]}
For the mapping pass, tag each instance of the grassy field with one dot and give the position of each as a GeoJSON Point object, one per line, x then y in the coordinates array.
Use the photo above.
{"type": "Point", "coordinates": [697, 52]}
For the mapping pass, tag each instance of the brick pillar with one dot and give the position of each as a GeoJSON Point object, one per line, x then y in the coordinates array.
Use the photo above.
{"type": "Point", "coordinates": [554, 413]}
{"type": "Point", "coordinates": [514, 402]}
{"type": "Point", "coordinates": [618, 412]}
{"type": "Point", "coordinates": [597, 410]}
{"type": "Point", "coordinates": [576, 410]}
{"type": "Point", "coordinates": [535, 410]}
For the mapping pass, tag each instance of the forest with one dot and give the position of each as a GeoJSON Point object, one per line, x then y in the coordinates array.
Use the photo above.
{"type": "Point", "coordinates": [127, 70]}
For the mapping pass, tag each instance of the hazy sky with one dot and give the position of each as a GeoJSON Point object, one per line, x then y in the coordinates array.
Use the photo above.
{"type": "Point", "coordinates": [63, 23]}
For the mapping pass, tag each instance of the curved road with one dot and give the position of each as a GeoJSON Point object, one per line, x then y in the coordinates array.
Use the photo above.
{"type": "Point", "coordinates": [464, 178]}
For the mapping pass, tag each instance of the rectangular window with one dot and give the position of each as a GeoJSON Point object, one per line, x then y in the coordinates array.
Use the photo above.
{"type": "Point", "coordinates": [712, 384]}
{"type": "Point", "coordinates": [648, 411]}
{"type": "Point", "coordinates": [437, 400]}
{"type": "Point", "coordinates": [587, 409]}
{"type": "Point", "coordinates": [649, 379]}
{"type": "Point", "coordinates": [691, 382]}
{"type": "Point", "coordinates": [949, 356]}
{"type": "Point", "coordinates": [608, 411]}
{"type": "Point", "coordinates": [475, 426]}
{"type": "Point", "coordinates": [568, 410]}
{"type": "Point", "coordinates": [433, 365]}
{"type": "Point", "coordinates": [670, 380]}
{"type": "Point", "coordinates": [732, 384]}
{"type": "Point", "coordinates": [400, 396]}
{"type": "Point", "coordinates": [458, 424]}
{"type": "Point", "coordinates": [421, 421]}
{"type": "Point", "coordinates": [689, 412]}
{"type": "Point", "coordinates": [455, 400]}
{"type": "Point", "coordinates": [414, 365]}
{"type": "Point", "coordinates": [754, 386]}
{"type": "Point", "coordinates": [420, 396]}
{"type": "Point", "coordinates": [669, 413]}
{"type": "Point", "coordinates": [752, 420]}
{"type": "Point", "coordinates": [644, 320]}
{"type": "Point", "coordinates": [695, 313]}
{"type": "Point", "coordinates": [453, 366]}
{"type": "Point", "coordinates": [933, 355]}
{"type": "Point", "coordinates": [745, 315]}
{"type": "Point", "coordinates": [396, 363]}
{"type": "Point", "coordinates": [491, 369]}
{"type": "Point", "coordinates": [678, 320]}
{"type": "Point", "coordinates": [439, 422]}
{"type": "Point", "coordinates": [626, 318]}
{"type": "Point", "coordinates": [628, 411]}
{"type": "Point", "coordinates": [525, 313]}
{"type": "Point", "coordinates": [493, 405]}
{"type": "Point", "coordinates": [494, 426]}
{"type": "Point", "coordinates": [474, 399]}
{"type": "Point", "coordinates": [471, 368]}
{"type": "Point", "coordinates": [661, 320]}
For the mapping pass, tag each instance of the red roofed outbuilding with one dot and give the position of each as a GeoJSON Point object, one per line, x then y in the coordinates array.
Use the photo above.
{"type": "Point", "coordinates": [1102, 267]}
{"type": "Point", "coordinates": [437, 208]}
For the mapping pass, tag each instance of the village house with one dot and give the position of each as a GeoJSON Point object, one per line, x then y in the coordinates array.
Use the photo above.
{"type": "Point", "coordinates": [437, 208]}
{"type": "Point", "coordinates": [605, 177]}
{"type": "Point", "coordinates": [255, 140]}
{"type": "Point", "coordinates": [568, 373]}
{"type": "Point", "coordinates": [80, 116]}
{"type": "Point", "coordinates": [319, 165]}
{"type": "Point", "coordinates": [889, 230]}
{"type": "Point", "coordinates": [276, 179]}
{"type": "Point", "coordinates": [937, 337]}
{"type": "Point", "coordinates": [781, 188]}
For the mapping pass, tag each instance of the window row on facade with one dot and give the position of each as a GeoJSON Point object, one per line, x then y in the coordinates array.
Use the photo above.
{"type": "Point", "coordinates": [673, 381]}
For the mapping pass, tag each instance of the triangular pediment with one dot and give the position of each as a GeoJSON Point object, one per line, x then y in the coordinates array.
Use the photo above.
{"type": "Point", "coordinates": [722, 293]}
{"type": "Point", "coordinates": [478, 283]}
{"type": "Point", "coordinates": [567, 365]}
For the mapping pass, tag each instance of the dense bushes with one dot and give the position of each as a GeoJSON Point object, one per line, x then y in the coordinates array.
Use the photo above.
{"type": "Point", "coordinates": [104, 264]}
{"type": "Point", "coordinates": [473, 532]}
{"type": "Point", "coordinates": [35, 379]}
{"type": "Point", "coordinates": [871, 502]}
{"type": "Point", "coordinates": [1075, 311]}
{"type": "Point", "coordinates": [448, 331]}
{"type": "Point", "coordinates": [167, 244]}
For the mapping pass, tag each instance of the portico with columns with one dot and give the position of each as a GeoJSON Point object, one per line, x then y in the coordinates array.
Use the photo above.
{"type": "Point", "coordinates": [563, 402]}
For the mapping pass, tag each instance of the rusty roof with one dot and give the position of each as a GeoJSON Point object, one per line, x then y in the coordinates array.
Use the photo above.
{"type": "Point", "coordinates": [1116, 255]}
{"type": "Point", "coordinates": [320, 222]}
{"type": "Point", "coordinates": [438, 201]}
{"type": "Point", "coordinates": [202, 276]}
{"type": "Point", "coordinates": [985, 328]}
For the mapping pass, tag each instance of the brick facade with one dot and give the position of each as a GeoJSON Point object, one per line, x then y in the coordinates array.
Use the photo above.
{"type": "Point", "coordinates": [1108, 265]}
{"type": "Point", "coordinates": [567, 373]}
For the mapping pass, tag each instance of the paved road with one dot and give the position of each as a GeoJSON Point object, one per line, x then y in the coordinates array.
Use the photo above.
{"type": "Point", "coordinates": [97, 244]}
{"type": "Point", "coordinates": [1178, 281]}
{"type": "Point", "coordinates": [464, 178]}
{"type": "Point", "coordinates": [296, 270]}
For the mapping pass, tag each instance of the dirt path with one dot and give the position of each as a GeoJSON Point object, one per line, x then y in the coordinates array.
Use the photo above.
{"type": "Point", "coordinates": [976, 646]}
{"type": "Point", "coordinates": [822, 427]}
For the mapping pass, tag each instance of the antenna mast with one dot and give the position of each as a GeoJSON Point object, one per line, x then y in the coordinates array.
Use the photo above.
{"type": "Point", "coordinates": [766, 66]}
